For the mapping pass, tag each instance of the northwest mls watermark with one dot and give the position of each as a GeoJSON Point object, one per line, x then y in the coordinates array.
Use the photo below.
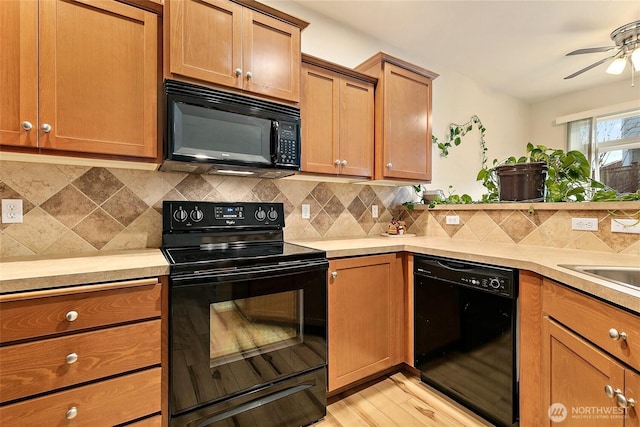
{"type": "Point", "coordinates": [558, 412]}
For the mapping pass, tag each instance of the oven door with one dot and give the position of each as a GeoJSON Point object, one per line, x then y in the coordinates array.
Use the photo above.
{"type": "Point", "coordinates": [236, 332]}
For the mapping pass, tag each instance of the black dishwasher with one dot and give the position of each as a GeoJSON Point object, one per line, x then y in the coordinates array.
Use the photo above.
{"type": "Point", "coordinates": [465, 334]}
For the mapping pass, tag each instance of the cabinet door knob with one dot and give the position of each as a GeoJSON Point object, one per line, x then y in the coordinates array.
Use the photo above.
{"type": "Point", "coordinates": [336, 162]}
{"type": "Point", "coordinates": [71, 358]}
{"type": "Point", "coordinates": [623, 402]}
{"type": "Point", "coordinates": [343, 163]}
{"type": "Point", "coordinates": [46, 127]}
{"type": "Point", "coordinates": [71, 413]}
{"type": "Point", "coordinates": [615, 335]}
{"type": "Point", "coordinates": [611, 392]}
{"type": "Point", "coordinates": [238, 71]}
{"type": "Point", "coordinates": [389, 165]}
{"type": "Point", "coordinates": [249, 75]}
{"type": "Point", "coordinates": [71, 316]}
{"type": "Point", "coordinates": [334, 274]}
{"type": "Point", "coordinates": [26, 125]}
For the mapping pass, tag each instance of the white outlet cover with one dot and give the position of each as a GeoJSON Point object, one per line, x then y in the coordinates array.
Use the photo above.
{"type": "Point", "coordinates": [374, 211]}
{"type": "Point", "coordinates": [452, 220]}
{"type": "Point", "coordinates": [306, 211]}
{"type": "Point", "coordinates": [625, 225]}
{"type": "Point", "coordinates": [11, 211]}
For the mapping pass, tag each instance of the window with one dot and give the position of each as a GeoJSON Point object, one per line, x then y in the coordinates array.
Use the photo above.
{"type": "Point", "coordinates": [612, 144]}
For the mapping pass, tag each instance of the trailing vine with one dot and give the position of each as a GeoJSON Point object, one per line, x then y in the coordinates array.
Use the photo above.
{"type": "Point", "coordinates": [456, 132]}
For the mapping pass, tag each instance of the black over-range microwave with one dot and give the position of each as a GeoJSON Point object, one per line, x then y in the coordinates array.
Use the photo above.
{"type": "Point", "coordinates": [215, 132]}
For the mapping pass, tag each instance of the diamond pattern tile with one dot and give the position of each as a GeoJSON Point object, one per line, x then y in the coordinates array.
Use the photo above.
{"type": "Point", "coordinates": [98, 184]}
{"type": "Point", "coordinates": [83, 209]}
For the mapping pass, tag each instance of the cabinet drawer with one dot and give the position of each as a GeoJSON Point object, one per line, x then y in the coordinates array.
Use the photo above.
{"type": "Point", "coordinates": [40, 366]}
{"type": "Point", "coordinates": [105, 403]}
{"type": "Point", "coordinates": [47, 315]}
{"type": "Point", "coordinates": [148, 422]}
{"type": "Point", "coordinates": [593, 319]}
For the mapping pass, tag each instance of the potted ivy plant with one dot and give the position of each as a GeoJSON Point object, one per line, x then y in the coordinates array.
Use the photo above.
{"type": "Point", "coordinates": [567, 175]}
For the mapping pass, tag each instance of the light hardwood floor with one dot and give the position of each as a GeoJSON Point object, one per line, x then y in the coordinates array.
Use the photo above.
{"type": "Point", "coordinates": [397, 400]}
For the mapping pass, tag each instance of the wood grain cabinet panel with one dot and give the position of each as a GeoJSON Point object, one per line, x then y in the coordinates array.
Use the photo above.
{"type": "Point", "coordinates": [45, 365]}
{"type": "Point", "coordinates": [224, 43]}
{"type": "Point", "coordinates": [19, 71]}
{"type": "Point", "coordinates": [97, 84]}
{"type": "Point", "coordinates": [580, 359]}
{"type": "Point", "coordinates": [49, 315]}
{"type": "Point", "coordinates": [403, 115]}
{"type": "Point", "coordinates": [83, 355]}
{"type": "Point", "coordinates": [337, 114]}
{"type": "Point", "coordinates": [366, 317]}
{"type": "Point", "coordinates": [107, 403]}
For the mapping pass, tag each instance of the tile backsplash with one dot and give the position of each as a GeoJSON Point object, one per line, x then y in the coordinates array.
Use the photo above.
{"type": "Point", "coordinates": [72, 209]}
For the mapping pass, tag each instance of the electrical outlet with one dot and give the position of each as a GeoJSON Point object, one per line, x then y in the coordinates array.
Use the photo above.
{"type": "Point", "coordinates": [11, 211]}
{"type": "Point", "coordinates": [586, 224]}
{"type": "Point", "coordinates": [452, 220]}
{"type": "Point", "coordinates": [625, 225]}
{"type": "Point", "coordinates": [306, 211]}
{"type": "Point", "coordinates": [374, 211]}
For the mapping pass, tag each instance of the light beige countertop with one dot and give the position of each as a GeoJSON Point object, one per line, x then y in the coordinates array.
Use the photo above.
{"type": "Point", "coordinates": [33, 273]}
{"type": "Point", "coordinates": [542, 260]}
{"type": "Point", "coordinates": [36, 273]}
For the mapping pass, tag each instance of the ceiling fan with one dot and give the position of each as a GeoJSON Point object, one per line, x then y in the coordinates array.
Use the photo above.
{"type": "Point", "coordinates": [627, 43]}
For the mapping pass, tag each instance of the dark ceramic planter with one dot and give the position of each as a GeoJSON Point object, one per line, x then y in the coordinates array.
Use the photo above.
{"type": "Point", "coordinates": [519, 182]}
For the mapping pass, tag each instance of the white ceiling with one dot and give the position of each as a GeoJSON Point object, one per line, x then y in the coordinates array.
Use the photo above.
{"type": "Point", "coordinates": [516, 47]}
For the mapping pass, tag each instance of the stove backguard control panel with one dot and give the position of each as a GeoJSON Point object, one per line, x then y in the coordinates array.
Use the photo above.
{"type": "Point", "coordinates": [187, 215]}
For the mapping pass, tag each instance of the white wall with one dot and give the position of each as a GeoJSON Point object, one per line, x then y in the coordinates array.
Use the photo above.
{"type": "Point", "coordinates": [544, 130]}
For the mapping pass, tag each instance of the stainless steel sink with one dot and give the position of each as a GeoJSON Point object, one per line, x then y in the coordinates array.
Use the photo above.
{"type": "Point", "coordinates": [628, 276]}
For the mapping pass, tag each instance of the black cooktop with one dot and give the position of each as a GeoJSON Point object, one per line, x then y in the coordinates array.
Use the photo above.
{"type": "Point", "coordinates": [199, 236]}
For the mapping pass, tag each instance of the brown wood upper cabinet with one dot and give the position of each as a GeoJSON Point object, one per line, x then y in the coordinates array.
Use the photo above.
{"type": "Point", "coordinates": [337, 116]}
{"type": "Point", "coordinates": [79, 76]}
{"type": "Point", "coordinates": [225, 43]}
{"type": "Point", "coordinates": [402, 118]}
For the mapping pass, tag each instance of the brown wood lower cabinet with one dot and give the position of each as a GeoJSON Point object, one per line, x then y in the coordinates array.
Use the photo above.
{"type": "Point", "coordinates": [86, 355]}
{"type": "Point", "coordinates": [587, 377]}
{"type": "Point", "coordinates": [106, 403]}
{"type": "Point", "coordinates": [366, 317]}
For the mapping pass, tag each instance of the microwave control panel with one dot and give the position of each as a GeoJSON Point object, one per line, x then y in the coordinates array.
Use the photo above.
{"type": "Point", "coordinates": [287, 151]}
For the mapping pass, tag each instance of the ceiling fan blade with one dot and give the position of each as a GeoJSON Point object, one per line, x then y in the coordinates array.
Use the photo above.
{"type": "Point", "coordinates": [588, 67]}
{"type": "Point", "coordinates": [591, 50]}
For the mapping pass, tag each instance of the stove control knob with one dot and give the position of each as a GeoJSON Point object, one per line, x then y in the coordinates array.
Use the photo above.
{"type": "Point", "coordinates": [494, 283]}
{"type": "Point", "coordinates": [180, 215]}
{"type": "Point", "coordinates": [260, 214]}
{"type": "Point", "coordinates": [196, 215]}
{"type": "Point", "coordinates": [272, 215]}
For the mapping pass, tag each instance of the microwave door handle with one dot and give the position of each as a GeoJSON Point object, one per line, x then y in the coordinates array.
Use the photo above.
{"type": "Point", "coordinates": [275, 140]}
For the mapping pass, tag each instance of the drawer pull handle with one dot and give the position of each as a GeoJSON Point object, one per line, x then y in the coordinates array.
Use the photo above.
{"type": "Point", "coordinates": [71, 358]}
{"type": "Point", "coordinates": [611, 392]}
{"type": "Point", "coordinates": [71, 316]}
{"type": "Point", "coordinates": [71, 413]}
{"type": "Point", "coordinates": [623, 402]}
{"type": "Point", "coordinates": [615, 335]}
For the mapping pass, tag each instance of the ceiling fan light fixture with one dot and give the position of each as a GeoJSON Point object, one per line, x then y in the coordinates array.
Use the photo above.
{"type": "Point", "coordinates": [635, 59]}
{"type": "Point", "coordinates": [617, 66]}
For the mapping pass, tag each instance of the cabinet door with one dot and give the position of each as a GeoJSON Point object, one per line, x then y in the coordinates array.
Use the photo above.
{"type": "Point", "coordinates": [19, 71]}
{"type": "Point", "coordinates": [575, 375]}
{"type": "Point", "coordinates": [365, 317]}
{"type": "Point", "coordinates": [406, 149]}
{"type": "Point", "coordinates": [632, 391]}
{"type": "Point", "coordinates": [356, 127]}
{"type": "Point", "coordinates": [320, 115]}
{"type": "Point", "coordinates": [205, 40]}
{"type": "Point", "coordinates": [270, 56]}
{"type": "Point", "coordinates": [98, 78]}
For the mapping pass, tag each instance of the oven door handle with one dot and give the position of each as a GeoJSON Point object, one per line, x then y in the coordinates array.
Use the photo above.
{"type": "Point", "coordinates": [247, 273]}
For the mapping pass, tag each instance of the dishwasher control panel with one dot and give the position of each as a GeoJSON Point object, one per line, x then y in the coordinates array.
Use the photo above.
{"type": "Point", "coordinates": [489, 278]}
